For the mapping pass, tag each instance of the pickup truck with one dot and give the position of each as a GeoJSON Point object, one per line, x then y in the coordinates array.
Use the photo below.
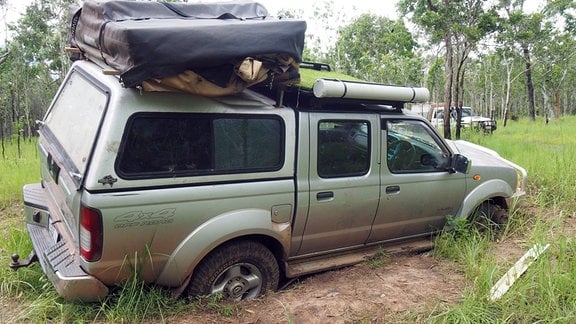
{"type": "Point", "coordinates": [231, 195]}
{"type": "Point", "coordinates": [470, 119]}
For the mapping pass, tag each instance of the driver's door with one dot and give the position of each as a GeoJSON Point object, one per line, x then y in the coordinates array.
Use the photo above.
{"type": "Point", "coordinates": [417, 193]}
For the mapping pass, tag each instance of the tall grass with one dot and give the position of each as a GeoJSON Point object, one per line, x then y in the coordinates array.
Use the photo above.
{"type": "Point", "coordinates": [545, 293]}
{"type": "Point", "coordinates": [546, 150]}
{"type": "Point", "coordinates": [17, 167]}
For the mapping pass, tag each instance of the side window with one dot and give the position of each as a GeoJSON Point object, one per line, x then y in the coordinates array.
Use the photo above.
{"type": "Point", "coordinates": [167, 145]}
{"type": "Point", "coordinates": [412, 147]}
{"type": "Point", "coordinates": [343, 148]}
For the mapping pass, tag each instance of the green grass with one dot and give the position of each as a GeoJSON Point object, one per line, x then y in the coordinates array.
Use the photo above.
{"type": "Point", "coordinates": [546, 151]}
{"type": "Point", "coordinates": [545, 293]}
{"type": "Point", "coordinates": [17, 167]}
{"type": "Point", "coordinates": [308, 76]}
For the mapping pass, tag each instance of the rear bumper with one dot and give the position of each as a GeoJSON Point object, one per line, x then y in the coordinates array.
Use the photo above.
{"type": "Point", "coordinates": [58, 258]}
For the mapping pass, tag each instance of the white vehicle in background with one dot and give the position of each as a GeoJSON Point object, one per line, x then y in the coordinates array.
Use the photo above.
{"type": "Point", "coordinates": [470, 119]}
{"type": "Point", "coordinates": [474, 120]}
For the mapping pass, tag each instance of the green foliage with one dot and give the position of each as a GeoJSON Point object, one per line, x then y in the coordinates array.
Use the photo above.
{"type": "Point", "coordinates": [34, 63]}
{"type": "Point", "coordinates": [378, 49]}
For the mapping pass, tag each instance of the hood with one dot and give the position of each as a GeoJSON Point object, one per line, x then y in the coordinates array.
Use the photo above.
{"type": "Point", "coordinates": [479, 155]}
{"type": "Point", "coordinates": [488, 161]}
{"type": "Point", "coordinates": [474, 119]}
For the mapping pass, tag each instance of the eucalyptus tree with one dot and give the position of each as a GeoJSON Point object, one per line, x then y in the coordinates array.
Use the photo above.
{"type": "Point", "coordinates": [435, 77]}
{"type": "Point", "coordinates": [459, 25]}
{"type": "Point", "coordinates": [558, 56]}
{"type": "Point", "coordinates": [557, 62]}
{"type": "Point", "coordinates": [379, 49]}
{"type": "Point", "coordinates": [523, 31]}
{"type": "Point", "coordinates": [34, 61]}
{"type": "Point", "coordinates": [470, 28]}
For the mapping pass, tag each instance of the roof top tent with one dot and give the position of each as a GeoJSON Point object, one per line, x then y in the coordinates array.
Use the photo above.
{"type": "Point", "coordinates": [214, 49]}
{"type": "Point", "coordinates": [144, 40]}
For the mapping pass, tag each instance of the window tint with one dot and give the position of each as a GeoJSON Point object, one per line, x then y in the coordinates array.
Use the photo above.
{"type": "Point", "coordinates": [412, 148]}
{"type": "Point", "coordinates": [166, 145]}
{"type": "Point", "coordinates": [343, 148]}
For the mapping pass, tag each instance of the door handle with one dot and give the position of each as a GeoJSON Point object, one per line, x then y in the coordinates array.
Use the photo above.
{"type": "Point", "coordinates": [325, 195]}
{"type": "Point", "coordinates": [392, 190]}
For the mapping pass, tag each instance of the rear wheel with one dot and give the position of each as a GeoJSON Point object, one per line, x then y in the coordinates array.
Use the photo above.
{"type": "Point", "coordinates": [237, 270]}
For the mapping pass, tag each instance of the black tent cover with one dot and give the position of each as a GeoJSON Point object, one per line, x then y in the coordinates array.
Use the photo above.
{"type": "Point", "coordinates": [144, 39]}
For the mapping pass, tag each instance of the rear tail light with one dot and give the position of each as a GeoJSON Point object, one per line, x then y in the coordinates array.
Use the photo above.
{"type": "Point", "coordinates": [90, 234]}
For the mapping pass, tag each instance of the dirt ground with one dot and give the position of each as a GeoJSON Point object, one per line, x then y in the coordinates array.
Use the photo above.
{"type": "Point", "coordinates": [361, 293]}
{"type": "Point", "coordinates": [407, 286]}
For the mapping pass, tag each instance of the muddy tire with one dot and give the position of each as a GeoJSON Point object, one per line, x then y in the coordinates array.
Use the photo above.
{"type": "Point", "coordinates": [489, 217]}
{"type": "Point", "coordinates": [238, 270]}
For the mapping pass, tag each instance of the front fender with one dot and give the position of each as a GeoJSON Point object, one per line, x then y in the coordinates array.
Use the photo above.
{"type": "Point", "coordinates": [216, 231]}
{"type": "Point", "coordinates": [485, 191]}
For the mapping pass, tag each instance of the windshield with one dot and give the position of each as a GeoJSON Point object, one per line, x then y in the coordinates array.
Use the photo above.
{"type": "Point", "coordinates": [466, 112]}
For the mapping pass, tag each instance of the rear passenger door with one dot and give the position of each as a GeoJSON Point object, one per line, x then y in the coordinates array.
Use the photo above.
{"type": "Point", "coordinates": [343, 181]}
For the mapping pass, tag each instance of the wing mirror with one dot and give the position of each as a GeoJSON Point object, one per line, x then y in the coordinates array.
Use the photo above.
{"type": "Point", "coordinates": [459, 163]}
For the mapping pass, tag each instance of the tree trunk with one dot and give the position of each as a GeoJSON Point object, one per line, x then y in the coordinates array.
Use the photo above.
{"type": "Point", "coordinates": [459, 98]}
{"type": "Point", "coordinates": [529, 84]}
{"type": "Point", "coordinates": [2, 140]}
{"type": "Point", "coordinates": [507, 96]}
{"type": "Point", "coordinates": [448, 84]}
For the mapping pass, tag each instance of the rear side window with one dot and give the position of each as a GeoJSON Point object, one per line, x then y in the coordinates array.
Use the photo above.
{"type": "Point", "coordinates": [343, 148]}
{"type": "Point", "coordinates": [167, 145]}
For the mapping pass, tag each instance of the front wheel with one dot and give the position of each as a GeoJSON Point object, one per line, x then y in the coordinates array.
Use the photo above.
{"type": "Point", "coordinates": [238, 270]}
{"type": "Point", "coordinates": [489, 217]}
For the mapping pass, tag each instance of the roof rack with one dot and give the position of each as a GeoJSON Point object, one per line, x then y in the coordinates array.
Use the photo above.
{"type": "Point", "coordinates": [335, 94]}
{"type": "Point", "coordinates": [316, 66]}
{"type": "Point", "coordinates": [323, 88]}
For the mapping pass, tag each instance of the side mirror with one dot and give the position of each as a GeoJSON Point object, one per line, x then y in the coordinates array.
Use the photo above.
{"type": "Point", "coordinates": [460, 164]}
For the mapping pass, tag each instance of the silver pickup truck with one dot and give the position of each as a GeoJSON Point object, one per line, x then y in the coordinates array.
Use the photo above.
{"type": "Point", "coordinates": [233, 194]}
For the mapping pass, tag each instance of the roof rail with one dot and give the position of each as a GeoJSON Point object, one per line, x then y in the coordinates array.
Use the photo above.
{"type": "Point", "coordinates": [316, 66]}
{"type": "Point", "coordinates": [329, 92]}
